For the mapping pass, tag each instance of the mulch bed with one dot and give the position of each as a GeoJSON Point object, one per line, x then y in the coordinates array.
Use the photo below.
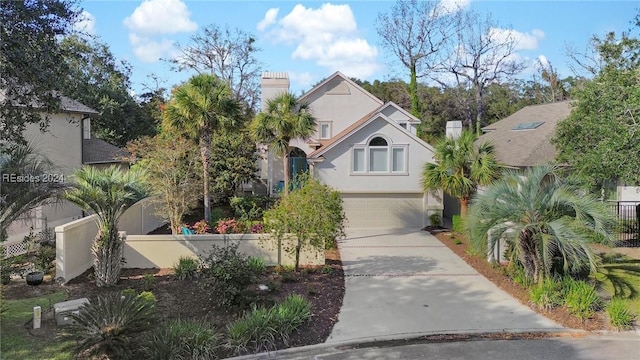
{"type": "Point", "coordinates": [185, 299]}
{"type": "Point", "coordinates": [504, 282]}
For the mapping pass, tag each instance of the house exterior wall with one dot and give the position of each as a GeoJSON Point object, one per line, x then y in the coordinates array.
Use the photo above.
{"type": "Point", "coordinates": [335, 170]}
{"type": "Point", "coordinates": [340, 103]}
{"type": "Point", "coordinates": [62, 144]}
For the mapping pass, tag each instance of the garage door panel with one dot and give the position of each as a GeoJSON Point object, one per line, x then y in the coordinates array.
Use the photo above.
{"type": "Point", "coordinates": [384, 210]}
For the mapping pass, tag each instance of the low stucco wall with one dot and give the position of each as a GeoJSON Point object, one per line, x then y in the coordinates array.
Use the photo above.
{"type": "Point", "coordinates": [163, 251]}
{"type": "Point", "coordinates": [74, 239]}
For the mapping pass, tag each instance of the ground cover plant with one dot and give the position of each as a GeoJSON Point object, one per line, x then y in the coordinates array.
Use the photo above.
{"type": "Point", "coordinates": [189, 324]}
{"type": "Point", "coordinates": [616, 285]}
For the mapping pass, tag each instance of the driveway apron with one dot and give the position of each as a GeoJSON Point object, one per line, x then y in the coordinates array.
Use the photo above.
{"type": "Point", "coordinates": [405, 283]}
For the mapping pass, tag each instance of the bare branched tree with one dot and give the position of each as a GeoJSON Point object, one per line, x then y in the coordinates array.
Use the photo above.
{"type": "Point", "coordinates": [484, 54]}
{"type": "Point", "coordinates": [416, 32]}
{"type": "Point", "coordinates": [227, 53]}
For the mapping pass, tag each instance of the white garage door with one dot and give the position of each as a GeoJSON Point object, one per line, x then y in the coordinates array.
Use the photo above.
{"type": "Point", "coordinates": [384, 210]}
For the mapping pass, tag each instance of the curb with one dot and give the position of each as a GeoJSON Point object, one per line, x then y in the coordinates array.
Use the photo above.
{"type": "Point", "coordinates": [337, 345]}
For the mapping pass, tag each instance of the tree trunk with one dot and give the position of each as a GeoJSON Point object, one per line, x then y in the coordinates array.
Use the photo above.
{"type": "Point", "coordinates": [205, 154]}
{"type": "Point", "coordinates": [107, 258]}
{"type": "Point", "coordinates": [285, 160]}
{"type": "Point", "coordinates": [528, 255]}
{"type": "Point", "coordinates": [413, 91]}
{"type": "Point", "coordinates": [479, 109]}
{"type": "Point", "coordinates": [464, 207]}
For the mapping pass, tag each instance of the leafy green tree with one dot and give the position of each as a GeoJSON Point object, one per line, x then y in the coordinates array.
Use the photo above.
{"type": "Point", "coordinates": [201, 108]}
{"type": "Point", "coordinates": [108, 193]}
{"type": "Point", "coordinates": [170, 164]}
{"type": "Point", "coordinates": [461, 167]}
{"type": "Point", "coordinates": [17, 198]}
{"type": "Point", "coordinates": [284, 119]}
{"type": "Point", "coordinates": [233, 162]}
{"type": "Point", "coordinates": [97, 79]}
{"type": "Point", "coordinates": [546, 220]}
{"type": "Point", "coordinates": [600, 138]}
{"type": "Point", "coordinates": [312, 213]}
{"type": "Point", "coordinates": [31, 62]}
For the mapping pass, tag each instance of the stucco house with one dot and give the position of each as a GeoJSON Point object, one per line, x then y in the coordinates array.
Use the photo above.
{"type": "Point", "coordinates": [366, 149]}
{"type": "Point", "coordinates": [68, 144]}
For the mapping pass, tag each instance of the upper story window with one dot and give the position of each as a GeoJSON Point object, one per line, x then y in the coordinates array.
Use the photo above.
{"type": "Point", "coordinates": [325, 130]}
{"type": "Point", "coordinates": [378, 156]}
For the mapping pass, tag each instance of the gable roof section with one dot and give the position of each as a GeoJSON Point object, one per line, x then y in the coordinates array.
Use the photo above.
{"type": "Point", "coordinates": [529, 146]}
{"type": "Point", "coordinates": [98, 151]}
{"type": "Point", "coordinates": [69, 105]}
{"type": "Point", "coordinates": [345, 78]}
{"type": "Point", "coordinates": [346, 133]}
{"type": "Point", "coordinates": [412, 119]}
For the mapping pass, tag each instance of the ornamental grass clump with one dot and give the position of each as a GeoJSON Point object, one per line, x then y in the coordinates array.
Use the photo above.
{"type": "Point", "coordinates": [620, 315]}
{"type": "Point", "coordinates": [263, 329]}
{"type": "Point", "coordinates": [581, 299]}
{"type": "Point", "coordinates": [182, 339]}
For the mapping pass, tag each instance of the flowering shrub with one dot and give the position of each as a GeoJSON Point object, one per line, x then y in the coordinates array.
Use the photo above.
{"type": "Point", "coordinates": [257, 228]}
{"type": "Point", "coordinates": [201, 227]}
{"type": "Point", "coordinates": [229, 226]}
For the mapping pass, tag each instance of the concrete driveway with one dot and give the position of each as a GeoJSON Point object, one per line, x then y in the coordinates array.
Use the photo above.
{"type": "Point", "coordinates": [407, 283]}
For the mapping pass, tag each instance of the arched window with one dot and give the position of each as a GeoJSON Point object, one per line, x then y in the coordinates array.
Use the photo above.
{"type": "Point", "coordinates": [379, 156]}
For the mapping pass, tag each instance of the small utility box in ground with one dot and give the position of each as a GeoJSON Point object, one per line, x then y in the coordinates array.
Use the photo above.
{"type": "Point", "coordinates": [62, 310]}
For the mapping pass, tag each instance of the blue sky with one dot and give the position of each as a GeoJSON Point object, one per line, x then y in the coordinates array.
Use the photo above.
{"type": "Point", "coordinates": [313, 39]}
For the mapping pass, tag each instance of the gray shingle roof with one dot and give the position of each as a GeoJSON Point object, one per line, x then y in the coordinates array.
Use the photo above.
{"type": "Point", "coordinates": [70, 105]}
{"type": "Point", "coordinates": [97, 151]}
{"type": "Point", "coordinates": [531, 147]}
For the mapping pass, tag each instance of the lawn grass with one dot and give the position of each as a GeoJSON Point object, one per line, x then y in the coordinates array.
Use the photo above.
{"type": "Point", "coordinates": [619, 276]}
{"type": "Point", "coordinates": [17, 343]}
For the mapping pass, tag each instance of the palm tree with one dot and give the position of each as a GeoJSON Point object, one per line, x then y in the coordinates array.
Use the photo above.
{"type": "Point", "coordinates": [545, 220]}
{"type": "Point", "coordinates": [108, 193]}
{"type": "Point", "coordinates": [20, 192]}
{"type": "Point", "coordinates": [200, 108]}
{"type": "Point", "coordinates": [460, 168]}
{"type": "Point", "coordinates": [284, 119]}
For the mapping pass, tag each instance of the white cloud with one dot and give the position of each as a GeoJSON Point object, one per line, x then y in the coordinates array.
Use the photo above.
{"type": "Point", "coordinates": [524, 41]}
{"type": "Point", "coordinates": [154, 18]}
{"type": "Point", "coordinates": [269, 19]}
{"type": "Point", "coordinates": [302, 80]}
{"type": "Point", "coordinates": [328, 36]}
{"type": "Point", "coordinates": [543, 61]}
{"type": "Point", "coordinates": [86, 23]}
{"type": "Point", "coordinates": [160, 17]}
{"type": "Point", "coordinates": [150, 50]}
{"type": "Point", "coordinates": [452, 6]}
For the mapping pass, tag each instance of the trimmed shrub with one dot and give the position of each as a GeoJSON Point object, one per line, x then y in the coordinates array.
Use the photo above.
{"type": "Point", "coordinates": [106, 327]}
{"type": "Point", "coordinates": [581, 299]}
{"type": "Point", "coordinates": [186, 268]}
{"type": "Point", "coordinates": [182, 339]}
{"type": "Point", "coordinates": [226, 274]}
{"type": "Point", "coordinates": [620, 315]}
{"type": "Point", "coordinates": [249, 208]}
{"type": "Point", "coordinates": [262, 329]}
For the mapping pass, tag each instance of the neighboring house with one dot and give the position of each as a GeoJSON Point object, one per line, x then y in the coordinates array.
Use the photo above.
{"type": "Point", "coordinates": [523, 139]}
{"type": "Point", "coordinates": [68, 144]}
{"type": "Point", "coordinates": [366, 149]}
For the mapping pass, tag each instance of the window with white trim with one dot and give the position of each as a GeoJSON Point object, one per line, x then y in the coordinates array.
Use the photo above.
{"type": "Point", "coordinates": [325, 130]}
{"type": "Point", "coordinates": [378, 156]}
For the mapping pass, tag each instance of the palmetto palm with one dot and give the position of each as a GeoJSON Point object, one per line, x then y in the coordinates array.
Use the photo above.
{"type": "Point", "coordinates": [547, 221]}
{"type": "Point", "coordinates": [284, 119]}
{"type": "Point", "coordinates": [19, 197]}
{"type": "Point", "coordinates": [461, 167]}
{"type": "Point", "coordinates": [108, 193]}
{"type": "Point", "coordinates": [200, 108]}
